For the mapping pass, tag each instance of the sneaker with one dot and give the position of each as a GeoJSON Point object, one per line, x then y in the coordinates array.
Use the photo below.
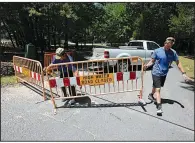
{"type": "Point", "coordinates": [76, 104]}
{"type": "Point", "coordinates": [71, 102]}
{"type": "Point", "coordinates": [151, 97]}
{"type": "Point", "coordinates": [66, 102]}
{"type": "Point", "coordinates": [159, 109]}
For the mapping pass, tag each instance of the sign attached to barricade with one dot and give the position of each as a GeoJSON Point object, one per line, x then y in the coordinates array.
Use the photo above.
{"type": "Point", "coordinates": [98, 79]}
{"type": "Point", "coordinates": [26, 72]}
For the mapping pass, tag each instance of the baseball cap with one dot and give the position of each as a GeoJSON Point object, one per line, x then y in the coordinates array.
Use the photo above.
{"type": "Point", "coordinates": [59, 53]}
{"type": "Point", "coordinates": [170, 39]}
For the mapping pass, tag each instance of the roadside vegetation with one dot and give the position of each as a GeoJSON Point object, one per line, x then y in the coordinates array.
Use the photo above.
{"type": "Point", "coordinates": [188, 65]}
{"type": "Point", "coordinates": [8, 80]}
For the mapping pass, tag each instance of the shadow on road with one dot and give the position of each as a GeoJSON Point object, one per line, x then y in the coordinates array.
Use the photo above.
{"type": "Point", "coordinates": [37, 90]}
{"type": "Point", "coordinates": [189, 85]}
{"type": "Point", "coordinates": [169, 101]}
{"type": "Point", "coordinates": [110, 104]}
{"type": "Point", "coordinates": [102, 105]}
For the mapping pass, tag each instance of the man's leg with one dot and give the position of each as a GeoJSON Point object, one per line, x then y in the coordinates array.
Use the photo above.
{"type": "Point", "coordinates": [72, 90]}
{"type": "Point", "coordinates": [158, 98]}
{"type": "Point", "coordinates": [64, 91]}
{"type": "Point", "coordinates": [159, 104]}
{"type": "Point", "coordinates": [152, 96]}
{"type": "Point", "coordinates": [63, 88]}
{"type": "Point", "coordinates": [157, 83]}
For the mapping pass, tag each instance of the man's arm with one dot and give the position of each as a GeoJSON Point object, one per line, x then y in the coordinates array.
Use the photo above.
{"type": "Point", "coordinates": [49, 69]}
{"type": "Point", "coordinates": [76, 73]}
{"type": "Point", "coordinates": [150, 63]}
{"type": "Point", "coordinates": [180, 67]}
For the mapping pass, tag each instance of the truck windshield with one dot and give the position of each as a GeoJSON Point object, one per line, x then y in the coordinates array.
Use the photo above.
{"type": "Point", "coordinates": [135, 44]}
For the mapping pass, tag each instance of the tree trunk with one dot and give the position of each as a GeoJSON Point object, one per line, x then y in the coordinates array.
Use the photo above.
{"type": "Point", "coordinates": [8, 33]}
{"type": "Point", "coordinates": [77, 44]}
{"type": "Point", "coordinates": [66, 33]}
{"type": "Point", "coordinates": [16, 39]}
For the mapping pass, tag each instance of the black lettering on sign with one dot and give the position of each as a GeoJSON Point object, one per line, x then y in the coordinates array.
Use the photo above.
{"type": "Point", "coordinates": [97, 81]}
{"type": "Point", "coordinates": [109, 79]}
{"type": "Point", "coordinates": [82, 82]}
{"type": "Point", "coordinates": [90, 81]}
{"type": "Point", "coordinates": [102, 80]}
{"type": "Point", "coordinates": [96, 76]}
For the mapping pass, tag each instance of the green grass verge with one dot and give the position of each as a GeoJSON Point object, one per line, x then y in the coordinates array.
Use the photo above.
{"type": "Point", "coordinates": [188, 65]}
{"type": "Point", "coordinates": [7, 80]}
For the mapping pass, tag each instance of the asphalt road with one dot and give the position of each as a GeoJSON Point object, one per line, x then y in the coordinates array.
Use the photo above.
{"type": "Point", "coordinates": [25, 118]}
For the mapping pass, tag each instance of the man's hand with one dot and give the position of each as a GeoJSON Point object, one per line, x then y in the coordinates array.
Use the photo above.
{"type": "Point", "coordinates": [49, 71]}
{"type": "Point", "coordinates": [145, 67]}
{"type": "Point", "coordinates": [150, 63]}
{"type": "Point", "coordinates": [76, 73]}
{"type": "Point", "coordinates": [186, 78]}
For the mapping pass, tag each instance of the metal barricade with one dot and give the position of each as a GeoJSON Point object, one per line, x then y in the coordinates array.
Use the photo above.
{"type": "Point", "coordinates": [30, 71]}
{"type": "Point", "coordinates": [48, 57]}
{"type": "Point", "coordinates": [118, 75]}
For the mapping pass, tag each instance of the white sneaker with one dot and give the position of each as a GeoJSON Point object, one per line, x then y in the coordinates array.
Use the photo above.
{"type": "Point", "coordinates": [159, 109]}
{"type": "Point", "coordinates": [72, 101]}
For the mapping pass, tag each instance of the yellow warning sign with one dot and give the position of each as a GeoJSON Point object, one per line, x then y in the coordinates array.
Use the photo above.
{"type": "Point", "coordinates": [26, 71]}
{"type": "Point", "coordinates": [98, 79]}
{"type": "Point", "coordinates": [134, 59]}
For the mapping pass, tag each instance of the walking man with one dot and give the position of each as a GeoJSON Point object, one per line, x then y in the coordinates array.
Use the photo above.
{"type": "Point", "coordinates": [62, 57]}
{"type": "Point", "coordinates": [162, 58]}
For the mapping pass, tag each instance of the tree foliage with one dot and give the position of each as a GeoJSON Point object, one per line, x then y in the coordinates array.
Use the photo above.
{"type": "Point", "coordinates": [45, 24]}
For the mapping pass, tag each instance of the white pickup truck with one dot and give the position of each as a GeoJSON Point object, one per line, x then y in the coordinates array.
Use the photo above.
{"type": "Point", "coordinates": [141, 48]}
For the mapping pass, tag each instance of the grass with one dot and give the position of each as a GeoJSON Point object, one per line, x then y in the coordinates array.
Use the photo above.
{"type": "Point", "coordinates": [7, 80]}
{"type": "Point", "coordinates": [188, 65]}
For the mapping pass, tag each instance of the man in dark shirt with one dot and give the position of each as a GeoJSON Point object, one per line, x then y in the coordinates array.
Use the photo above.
{"type": "Point", "coordinates": [162, 58]}
{"type": "Point", "coordinates": [62, 57]}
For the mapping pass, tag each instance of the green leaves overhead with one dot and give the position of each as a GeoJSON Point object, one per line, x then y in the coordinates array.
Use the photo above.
{"type": "Point", "coordinates": [183, 22]}
{"type": "Point", "coordinates": [49, 23]}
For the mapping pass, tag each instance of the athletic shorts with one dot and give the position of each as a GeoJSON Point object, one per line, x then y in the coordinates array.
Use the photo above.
{"type": "Point", "coordinates": [158, 81]}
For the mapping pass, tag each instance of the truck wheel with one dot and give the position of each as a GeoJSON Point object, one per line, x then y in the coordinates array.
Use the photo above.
{"type": "Point", "coordinates": [123, 66]}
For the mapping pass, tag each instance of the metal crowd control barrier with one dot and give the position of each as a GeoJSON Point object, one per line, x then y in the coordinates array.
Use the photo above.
{"type": "Point", "coordinates": [48, 58]}
{"type": "Point", "coordinates": [122, 76]}
{"type": "Point", "coordinates": [30, 71]}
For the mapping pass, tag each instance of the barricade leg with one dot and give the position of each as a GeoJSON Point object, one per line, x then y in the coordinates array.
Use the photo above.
{"type": "Point", "coordinates": [43, 87]}
{"type": "Point", "coordinates": [54, 105]}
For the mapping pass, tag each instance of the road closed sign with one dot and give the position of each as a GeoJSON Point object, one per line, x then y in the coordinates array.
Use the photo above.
{"type": "Point", "coordinates": [98, 79]}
